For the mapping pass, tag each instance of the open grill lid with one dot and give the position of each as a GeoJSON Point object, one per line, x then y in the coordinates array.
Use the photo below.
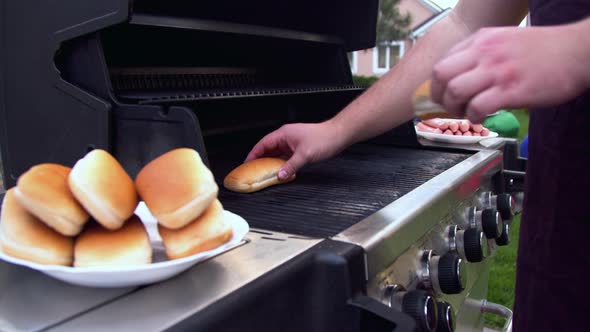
{"type": "Point", "coordinates": [353, 22]}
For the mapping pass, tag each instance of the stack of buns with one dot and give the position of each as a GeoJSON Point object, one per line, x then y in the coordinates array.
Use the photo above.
{"type": "Point", "coordinates": [107, 192]}
{"type": "Point", "coordinates": [24, 236]}
{"type": "Point", "coordinates": [180, 191]}
{"type": "Point", "coordinates": [84, 216]}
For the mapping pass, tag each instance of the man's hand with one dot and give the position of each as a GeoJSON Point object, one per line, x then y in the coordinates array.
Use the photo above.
{"type": "Point", "coordinates": [300, 144]}
{"type": "Point", "coordinates": [499, 68]}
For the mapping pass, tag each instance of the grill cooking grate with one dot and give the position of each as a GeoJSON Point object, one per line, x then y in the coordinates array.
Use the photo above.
{"type": "Point", "coordinates": [188, 96]}
{"type": "Point", "coordinates": [331, 196]}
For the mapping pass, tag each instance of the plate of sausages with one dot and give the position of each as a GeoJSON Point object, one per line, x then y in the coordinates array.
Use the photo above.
{"type": "Point", "coordinates": [457, 131]}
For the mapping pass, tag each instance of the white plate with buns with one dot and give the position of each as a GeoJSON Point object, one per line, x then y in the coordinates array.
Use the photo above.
{"type": "Point", "coordinates": [160, 269]}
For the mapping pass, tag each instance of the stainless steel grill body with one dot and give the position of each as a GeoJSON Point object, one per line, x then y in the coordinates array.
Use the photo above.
{"type": "Point", "coordinates": [139, 78]}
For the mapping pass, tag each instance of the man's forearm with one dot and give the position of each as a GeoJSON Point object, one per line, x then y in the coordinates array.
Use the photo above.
{"type": "Point", "coordinates": [388, 103]}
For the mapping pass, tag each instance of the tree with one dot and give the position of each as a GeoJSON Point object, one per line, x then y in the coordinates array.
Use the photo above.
{"type": "Point", "coordinates": [391, 24]}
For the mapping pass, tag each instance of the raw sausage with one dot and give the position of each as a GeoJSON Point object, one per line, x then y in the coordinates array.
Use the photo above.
{"type": "Point", "coordinates": [428, 129]}
{"type": "Point", "coordinates": [477, 128]}
{"type": "Point", "coordinates": [437, 123]}
{"type": "Point", "coordinates": [464, 126]}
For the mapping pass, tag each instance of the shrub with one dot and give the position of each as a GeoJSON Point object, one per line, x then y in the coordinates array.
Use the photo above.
{"type": "Point", "coordinates": [364, 80]}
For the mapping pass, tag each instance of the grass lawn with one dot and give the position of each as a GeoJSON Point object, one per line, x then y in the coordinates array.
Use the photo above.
{"type": "Point", "coordinates": [503, 271]}
{"type": "Point", "coordinates": [502, 276]}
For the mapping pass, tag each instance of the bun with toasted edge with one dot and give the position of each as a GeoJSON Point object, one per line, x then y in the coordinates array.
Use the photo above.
{"type": "Point", "coordinates": [255, 175]}
{"type": "Point", "coordinates": [97, 246]}
{"type": "Point", "coordinates": [44, 191]}
{"type": "Point", "coordinates": [24, 236]}
{"type": "Point", "coordinates": [207, 232]}
{"type": "Point", "coordinates": [176, 187]}
{"type": "Point", "coordinates": [103, 187]}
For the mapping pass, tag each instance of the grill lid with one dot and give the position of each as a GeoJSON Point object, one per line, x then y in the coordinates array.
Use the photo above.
{"type": "Point", "coordinates": [353, 21]}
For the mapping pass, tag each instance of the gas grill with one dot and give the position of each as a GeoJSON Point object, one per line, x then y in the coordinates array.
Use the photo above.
{"type": "Point", "coordinates": [393, 234]}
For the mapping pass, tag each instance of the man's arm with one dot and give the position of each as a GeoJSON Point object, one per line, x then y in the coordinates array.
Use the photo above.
{"type": "Point", "coordinates": [387, 103]}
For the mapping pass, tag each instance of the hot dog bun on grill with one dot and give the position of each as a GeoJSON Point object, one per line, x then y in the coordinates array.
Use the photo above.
{"type": "Point", "coordinates": [103, 187]}
{"type": "Point", "coordinates": [255, 175]}
{"type": "Point", "coordinates": [24, 236]}
{"type": "Point", "coordinates": [176, 187]}
{"type": "Point", "coordinates": [207, 232]}
{"type": "Point", "coordinates": [126, 246]}
{"type": "Point", "coordinates": [43, 190]}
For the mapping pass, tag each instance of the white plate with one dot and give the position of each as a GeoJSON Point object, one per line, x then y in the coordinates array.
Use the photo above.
{"type": "Point", "coordinates": [159, 270]}
{"type": "Point", "coordinates": [452, 138]}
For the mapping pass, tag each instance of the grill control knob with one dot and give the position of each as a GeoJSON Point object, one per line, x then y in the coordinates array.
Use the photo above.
{"type": "Point", "coordinates": [504, 239]}
{"type": "Point", "coordinates": [505, 205]}
{"type": "Point", "coordinates": [491, 223]}
{"type": "Point", "coordinates": [418, 304]}
{"type": "Point", "coordinates": [421, 306]}
{"type": "Point", "coordinates": [451, 274]}
{"type": "Point", "coordinates": [446, 317]}
{"type": "Point", "coordinates": [485, 200]}
{"type": "Point", "coordinates": [470, 244]}
{"type": "Point", "coordinates": [518, 201]}
{"type": "Point", "coordinates": [446, 274]}
{"type": "Point", "coordinates": [475, 245]}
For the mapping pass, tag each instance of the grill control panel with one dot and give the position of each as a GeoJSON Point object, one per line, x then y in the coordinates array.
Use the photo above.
{"type": "Point", "coordinates": [434, 275]}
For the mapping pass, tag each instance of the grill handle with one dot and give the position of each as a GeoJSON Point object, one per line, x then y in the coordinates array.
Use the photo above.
{"type": "Point", "coordinates": [493, 308]}
{"type": "Point", "coordinates": [366, 304]}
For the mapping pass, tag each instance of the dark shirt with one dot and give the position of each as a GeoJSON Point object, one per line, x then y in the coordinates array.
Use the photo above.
{"type": "Point", "coordinates": [553, 265]}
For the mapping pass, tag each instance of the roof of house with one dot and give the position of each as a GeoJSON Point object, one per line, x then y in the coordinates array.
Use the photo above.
{"type": "Point", "coordinates": [421, 29]}
{"type": "Point", "coordinates": [431, 5]}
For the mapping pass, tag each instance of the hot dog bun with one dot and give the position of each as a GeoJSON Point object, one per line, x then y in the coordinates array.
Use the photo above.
{"type": "Point", "coordinates": [103, 187]}
{"type": "Point", "coordinates": [176, 187]}
{"type": "Point", "coordinates": [255, 175]}
{"type": "Point", "coordinates": [207, 232]}
{"type": "Point", "coordinates": [126, 246]}
{"type": "Point", "coordinates": [43, 190]}
{"type": "Point", "coordinates": [24, 236]}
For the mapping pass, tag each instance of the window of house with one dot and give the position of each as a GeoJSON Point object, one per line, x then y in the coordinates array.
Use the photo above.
{"type": "Point", "coordinates": [353, 61]}
{"type": "Point", "coordinates": [386, 56]}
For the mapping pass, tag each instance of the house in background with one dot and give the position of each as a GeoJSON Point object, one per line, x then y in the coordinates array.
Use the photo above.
{"type": "Point", "coordinates": [378, 60]}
